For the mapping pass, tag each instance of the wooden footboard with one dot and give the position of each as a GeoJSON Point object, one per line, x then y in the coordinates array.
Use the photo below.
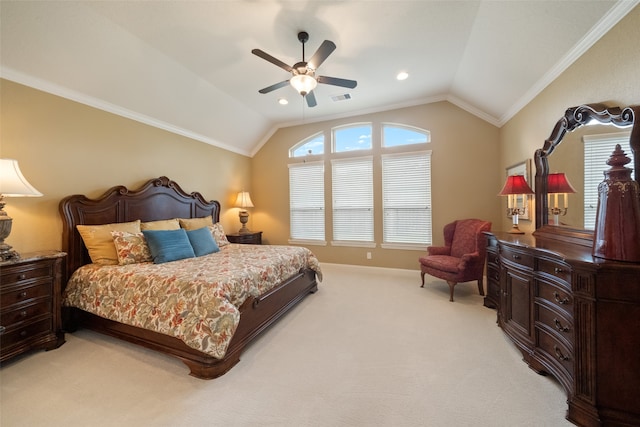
{"type": "Point", "coordinates": [256, 315]}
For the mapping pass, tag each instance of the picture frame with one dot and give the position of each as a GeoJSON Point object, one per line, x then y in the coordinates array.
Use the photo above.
{"type": "Point", "coordinates": [522, 168]}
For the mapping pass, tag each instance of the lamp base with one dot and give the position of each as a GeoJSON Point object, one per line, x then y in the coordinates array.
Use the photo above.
{"type": "Point", "coordinates": [515, 230]}
{"type": "Point", "coordinates": [6, 253]}
{"type": "Point", "coordinates": [244, 218]}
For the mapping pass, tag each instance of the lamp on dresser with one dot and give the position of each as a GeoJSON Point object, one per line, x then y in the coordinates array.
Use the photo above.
{"type": "Point", "coordinates": [12, 184]}
{"type": "Point", "coordinates": [557, 183]}
{"type": "Point", "coordinates": [243, 201]}
{"type": "Point", "coordinates": [517, 191]}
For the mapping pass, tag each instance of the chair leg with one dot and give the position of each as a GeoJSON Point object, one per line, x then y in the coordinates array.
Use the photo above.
{"type": "Point", "coordinates": [422, 276]}
{"type": "Point", "coordinates": [451, 285]}
{"type": "Point", "coordinates": [480, 287]}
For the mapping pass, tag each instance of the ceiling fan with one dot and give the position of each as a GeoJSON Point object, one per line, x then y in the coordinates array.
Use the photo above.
{"type": "Point", "coordinates": [304, 78]}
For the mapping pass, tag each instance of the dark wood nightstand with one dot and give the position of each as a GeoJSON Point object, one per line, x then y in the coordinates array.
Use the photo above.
{"type": "Point", "coordinates": [253, 238]}
{"type": "Point", "coordinates": [30, 314]}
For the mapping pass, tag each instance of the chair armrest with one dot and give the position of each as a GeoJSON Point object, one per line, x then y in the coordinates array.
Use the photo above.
{"type": "Point", "coordinates": [469, 259]}
{"type": "Point", "coordinates": [439, 250]}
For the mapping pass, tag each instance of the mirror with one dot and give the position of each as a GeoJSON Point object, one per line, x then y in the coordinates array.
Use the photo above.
{"type": "Point", "coordinates": [578, 122]}
{"type": "Point", "coordinates": [568, 158]}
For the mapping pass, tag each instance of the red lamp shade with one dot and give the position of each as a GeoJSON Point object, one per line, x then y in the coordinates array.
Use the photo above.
{"type": "Point", "coordinates": [516, 184]}
{"type": "Point", "coordinates": [558, 183]}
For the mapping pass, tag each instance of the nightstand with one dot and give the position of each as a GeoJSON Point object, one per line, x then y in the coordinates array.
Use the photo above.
{"type": "Point", "coordinates": [30, 300]}
{"type": "Point", "coordinates": [253, 238]}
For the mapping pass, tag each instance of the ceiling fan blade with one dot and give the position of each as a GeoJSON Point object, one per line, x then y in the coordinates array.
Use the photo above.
{"type": "Point", "coordinates": [337, 82]}
{"type": "Point", "coordinates": [321, 54]}
{"type": "Point", "coordinates": [275, 61]}
{"type": "Point", "coordinates": [311, 99]}
{"type": "Point", "coordinates": [274, 87]}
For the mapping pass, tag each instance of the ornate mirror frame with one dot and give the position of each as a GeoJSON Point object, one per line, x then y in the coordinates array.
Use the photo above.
{"type": "Point", "coordinates": [574, 118]}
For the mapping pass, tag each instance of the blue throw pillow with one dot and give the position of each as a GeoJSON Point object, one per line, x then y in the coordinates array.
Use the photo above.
{"type": "Point", "coordinates": [202, 241]}
{"type": "Point", "coordinates": [168, 245]}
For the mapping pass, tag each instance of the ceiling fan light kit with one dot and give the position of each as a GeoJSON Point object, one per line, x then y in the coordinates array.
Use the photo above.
{"type": "Point", "coordinates": [303, 79]}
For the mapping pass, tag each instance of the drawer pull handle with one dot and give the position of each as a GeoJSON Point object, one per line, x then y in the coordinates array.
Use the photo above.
{"type": "Point", "coordinates": [22, 276]}
{"type": "Point", "coordinates": [516, 257]}
{"type": "Point", "coordinates": [558, 270]}
{"type": "Point", "coordinates": [561, 357]}
{"type": "Point", "coordinates": [23, 333]}
{"type": "Point", "coordinates": [23, 313]}
{"type": "Point", "coordinates": [2, 329]}
{"type": "Point", "coordinates": [559, 300]}
{"type": "Point", "coordinates": [23, 294]}
{"type": "Point", "coordinates": [560, 327]}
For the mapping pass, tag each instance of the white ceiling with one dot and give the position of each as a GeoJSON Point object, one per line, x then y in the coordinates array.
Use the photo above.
{"type": "Point", "coordinates": [186, 66]}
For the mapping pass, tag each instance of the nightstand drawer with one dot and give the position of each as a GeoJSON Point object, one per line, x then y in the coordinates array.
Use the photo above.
{"type": "Point", "coordinates": [24, 294]}
{"type": "Point", "coordinates": [253, 238]}
{"type": "Point", "coordinates": [19, 274]}
{"type": "Point", "coordinates": [24, 313]}
{"type": "Point", "coordinates": [26, 332]}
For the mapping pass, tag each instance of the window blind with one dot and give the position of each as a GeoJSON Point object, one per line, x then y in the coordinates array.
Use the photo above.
{"type": "Point", "coordinates": [306, 201]}
{"type": "Point", "coordinates": [352, 186]}
{"type": "Point", "coordinates": [406, 198]}
{"type": "Point", "coordinates": [597, 150]}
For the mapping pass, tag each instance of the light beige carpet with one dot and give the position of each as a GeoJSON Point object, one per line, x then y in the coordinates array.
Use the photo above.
{"type": "Point", "coordinates": [370, 348]}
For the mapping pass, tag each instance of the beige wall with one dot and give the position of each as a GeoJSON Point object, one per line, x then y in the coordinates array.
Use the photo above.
{"type": "Point", "coordinates": [608, 72]}
{"type": "Point", "coordinates": [463, 180]}
{"type": "Point", "coordinates": [65, 148]}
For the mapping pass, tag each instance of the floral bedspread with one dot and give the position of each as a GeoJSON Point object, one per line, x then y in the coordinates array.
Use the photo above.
{"type": "Point", "coordinates": [196, 300]}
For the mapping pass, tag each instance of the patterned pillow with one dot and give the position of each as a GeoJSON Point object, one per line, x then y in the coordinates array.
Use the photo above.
{"type": "Point", "coordinates": [131, 248]}
{"type": "Point", "coordinates": [218, 234]}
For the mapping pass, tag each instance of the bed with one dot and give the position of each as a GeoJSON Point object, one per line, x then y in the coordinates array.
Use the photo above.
{"type": "Point", "coordinates": [260, 305]}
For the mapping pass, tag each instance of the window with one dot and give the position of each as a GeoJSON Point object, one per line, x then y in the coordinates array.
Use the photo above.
{"type": "Point", "coordinates": [393, 163]}
{"type": "Point", "coordinates": [597, 150]}
{"type": "Point", "coordinates": [306, 201]}
{"type": "Point", "coordinates": [352, 182]}
{"type": "Point", "coordinates": [396, 135]}
{"type": "Point", "coordinates": [352, 138]}
{"type": "Point", "coordinates": [406, 198]}
{"type": "Point", "coordinates": [310, 146]}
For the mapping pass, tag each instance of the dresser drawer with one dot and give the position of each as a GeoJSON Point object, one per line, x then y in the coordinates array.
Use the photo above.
{"type": "Point", "coordinates": [555, 322]}
{"type": "Point", "coordinates": [24, 294]}
{"type": "Point", "coordinates": [8, 318]}
{"type": "Point", "coordinates": [27, 332]}
{"type": "Point", "coordinates": [555, 352]}
{"type": "Point", "coordinates": [517, 257]}
{"type": "Point", "coordinates": [555, 294]}
{"type": "Point", "coordinates": [492, 257]}
{"type": "Point", "coordinates": [20, 274]}
{"type": "Point", "coordinates": [556, 269]}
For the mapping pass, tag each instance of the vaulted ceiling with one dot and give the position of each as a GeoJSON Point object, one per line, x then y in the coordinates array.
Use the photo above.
{"type": "Point", "coordinates": [187, 66]}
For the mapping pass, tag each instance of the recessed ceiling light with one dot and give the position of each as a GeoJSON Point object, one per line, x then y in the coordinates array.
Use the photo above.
{"type": "Point", "coordinates": [283, 101]}
{"type": "Point", "coordinates": [402, 75]}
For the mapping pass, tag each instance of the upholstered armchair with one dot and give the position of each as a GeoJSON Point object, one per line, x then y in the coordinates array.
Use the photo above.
{"type": "Point", "coordinates": [462, 257]}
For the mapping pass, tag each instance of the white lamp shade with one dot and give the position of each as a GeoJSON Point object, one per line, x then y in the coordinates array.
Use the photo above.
{"type": "Point", "coordinates": [244, 200]}
{"type": "Point", "coordinates": [303, 83]}
{"type": "Point", "coordinates": [13, 183]}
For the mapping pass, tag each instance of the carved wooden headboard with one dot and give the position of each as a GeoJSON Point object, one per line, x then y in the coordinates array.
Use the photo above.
{"type": "Point", "coordinates": [159, 198]}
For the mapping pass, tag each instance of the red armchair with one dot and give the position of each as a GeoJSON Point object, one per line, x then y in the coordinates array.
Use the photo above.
{"type": "Point", "coordinates": [462, 257]}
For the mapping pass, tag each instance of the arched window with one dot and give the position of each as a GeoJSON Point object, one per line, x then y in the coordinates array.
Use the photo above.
{"type": "Point", "coordinates": [310, 146]}
{"type": "Point", "coordinates": [352, 137]}
{"type": "Point", "coordinates": [394, 135]}
{"type": "Point", "coordinates": [404, 178]}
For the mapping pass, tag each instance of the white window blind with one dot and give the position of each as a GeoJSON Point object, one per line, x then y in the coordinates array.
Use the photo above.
{"type": "Point", "coordinates": [353, 199]}
{"type": "Point", "coordinates": [306, 201]}
{"type": "Point", "coordinates": [406, 198]}
{"type": "Point", "coordinates": [597, 150]}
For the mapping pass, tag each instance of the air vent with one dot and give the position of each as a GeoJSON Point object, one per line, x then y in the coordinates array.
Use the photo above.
{"type": "Point", "coordinates": [343, 97]}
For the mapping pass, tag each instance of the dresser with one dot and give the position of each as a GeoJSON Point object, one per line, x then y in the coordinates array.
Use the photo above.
{"type": "Point", "coordinates": [30, 294]}
{"type": "Point", "coordinates": [572, 316]}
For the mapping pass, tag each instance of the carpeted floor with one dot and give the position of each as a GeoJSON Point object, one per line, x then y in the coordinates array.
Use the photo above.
{"type": "Point", "coordinates": [370, 348]}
